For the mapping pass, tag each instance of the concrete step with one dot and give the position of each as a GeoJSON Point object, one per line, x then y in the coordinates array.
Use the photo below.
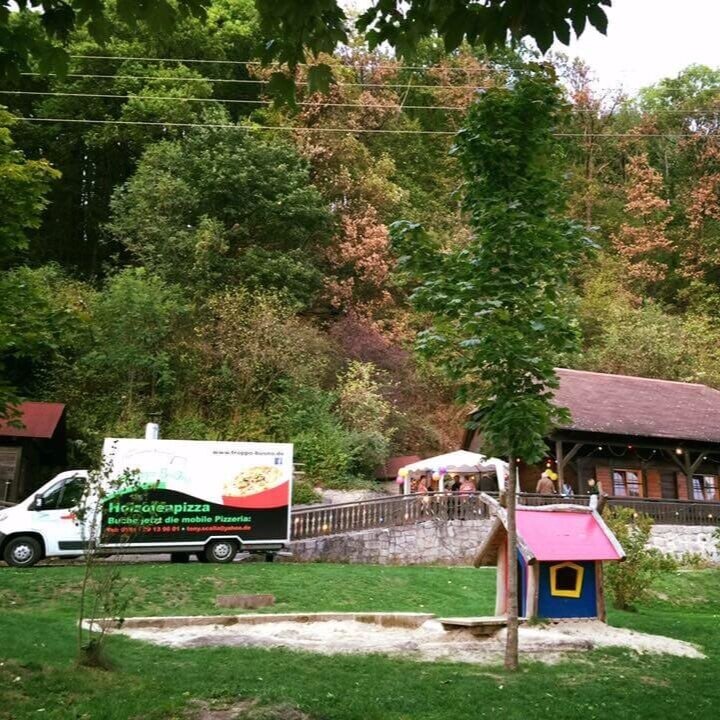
{"type": "Point", "coordinates": [481, 626]}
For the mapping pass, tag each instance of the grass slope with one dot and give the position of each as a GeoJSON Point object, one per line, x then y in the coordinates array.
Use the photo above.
{"type": "Point", "coordinates": [38, 677]}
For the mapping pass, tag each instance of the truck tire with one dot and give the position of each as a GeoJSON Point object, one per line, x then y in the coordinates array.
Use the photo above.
{"type": "Point", "coordinates": [179, 557]}
{"type": "Point", "coordinates": [221, 551]}
{"type": "Point", "coordinates": [22, 551]}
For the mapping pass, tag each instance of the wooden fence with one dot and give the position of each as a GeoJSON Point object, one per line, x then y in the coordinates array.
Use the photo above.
{"type": "Point", "coordinates": [385, 512]}
{"type": "Point", "coordinates": [318, 520]}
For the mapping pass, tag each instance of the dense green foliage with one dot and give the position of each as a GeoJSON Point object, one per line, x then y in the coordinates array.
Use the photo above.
{"type": "Point", "coordinates": [60, 17]}
{"type": "Point", "coordinates": [38, 626]}
{"type": "Point", "coordinates": [291, 29]}
{"type": "Point", "coordinates": [240, 280]}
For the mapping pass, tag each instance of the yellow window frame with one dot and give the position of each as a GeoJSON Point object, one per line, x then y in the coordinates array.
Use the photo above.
{"type": "Point", "coordinates": [579, 573]}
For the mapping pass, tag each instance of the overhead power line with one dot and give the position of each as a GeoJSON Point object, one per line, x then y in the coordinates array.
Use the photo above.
{"type": "Point", "coordinates": [228, 126]}
{"type": "Point", "coordinates": [245, 81]}
{"type": "Point", "coordinates": [258, 63]}
{"type": "Point", "coordinates": [349, 130]}
{"type": "Point", "coordinates": [398, 106]}
{"type": "Point", "coordinates": [224, 100]}
{"type": "Point", "coordinates": [391, 66]}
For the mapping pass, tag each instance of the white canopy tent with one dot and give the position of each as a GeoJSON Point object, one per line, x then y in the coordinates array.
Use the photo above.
{"type": "Point", "coordinates": [460, 461]}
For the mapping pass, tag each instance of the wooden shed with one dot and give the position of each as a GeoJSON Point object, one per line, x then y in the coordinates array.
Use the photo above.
{"type": "Point", "coordinates": [561, 550]}
{"type": "Point", "coordinates": [32, 448]}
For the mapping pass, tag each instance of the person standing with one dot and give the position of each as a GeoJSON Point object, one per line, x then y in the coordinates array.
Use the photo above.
{"type": "Point", "coordinates": [545, 485]}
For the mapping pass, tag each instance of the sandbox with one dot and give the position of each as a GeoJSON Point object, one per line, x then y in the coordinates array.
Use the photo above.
{"type": "Point", "coordinates": [413, 636]}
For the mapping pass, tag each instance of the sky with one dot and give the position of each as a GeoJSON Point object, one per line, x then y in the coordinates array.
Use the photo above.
{"type": "Point", "coordinates": [648, 40]}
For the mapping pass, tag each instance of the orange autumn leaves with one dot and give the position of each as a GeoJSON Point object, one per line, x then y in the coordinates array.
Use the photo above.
{"type": "Point", "coordinates": [642, 241]}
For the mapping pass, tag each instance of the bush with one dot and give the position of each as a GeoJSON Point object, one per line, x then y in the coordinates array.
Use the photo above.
{"type": "Point", "coordinates": [304, 493]}
{"type": "Point", "coordinates": [629, 581]}
{"type": "Point", "coordinates": [326, 456]}
{"type": "Point", "coordinates": [323, 449]}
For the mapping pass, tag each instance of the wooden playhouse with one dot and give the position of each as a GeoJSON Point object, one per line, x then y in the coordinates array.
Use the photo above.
{"type": "Point", "coordinates": [561, 550]}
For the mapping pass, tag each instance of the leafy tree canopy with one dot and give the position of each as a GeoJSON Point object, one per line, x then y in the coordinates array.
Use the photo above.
{"type": "Point", "coordinates": [23, 186]}
{"type": "Point", "coordinates": [60, 18]}
{"type": "Point", "coordinates": [195, 206]}
{"type": "Point", "coordinates": [293, 28]}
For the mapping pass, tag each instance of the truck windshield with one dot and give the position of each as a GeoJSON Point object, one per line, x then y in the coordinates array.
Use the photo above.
{"type": "Point", "coordinates": [65, 495]}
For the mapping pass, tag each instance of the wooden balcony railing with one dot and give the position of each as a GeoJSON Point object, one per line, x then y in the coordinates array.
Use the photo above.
{"type": "Point", "coordinates": [674, 512]}
{"type": "Point", "coordinates": [385, 512]}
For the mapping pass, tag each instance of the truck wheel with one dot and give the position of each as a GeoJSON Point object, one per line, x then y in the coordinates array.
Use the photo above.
{"type": "Point", "coordinates": [221, 551]}
{"type": "Point", "coordinates": [179, 557]}
{"type": "Point", "coordinates": [270, 557]}
{"type": "Point", "coordinates": [22, 551]}
{"type": "Point", "coordinates": [201, 557]}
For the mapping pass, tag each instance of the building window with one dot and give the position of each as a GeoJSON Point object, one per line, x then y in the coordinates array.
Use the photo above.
{"type": "Point", "coordinates": [627, 483]}
{"type": "Point", "coordinates": [566, 580]}
{"type": "Point", "coordinates": [705, 487]}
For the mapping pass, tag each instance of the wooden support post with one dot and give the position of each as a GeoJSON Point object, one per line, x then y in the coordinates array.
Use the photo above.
{"type": "Point", "coordinates": [533, 590]}
{"type": "Point", "coordinates": [600, 590]}
{"type": "Point", "coordinates": [562, 459]}
{"type": "Point", "coordinates": [501, 580]}
{"type": "Point", "coordinates": [688, 466]}
{"type": "Point", "coordinates": [560, 463]}
{"type": "Point", "coordinates": [511, 641]}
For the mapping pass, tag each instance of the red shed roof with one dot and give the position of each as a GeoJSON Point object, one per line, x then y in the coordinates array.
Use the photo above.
{"type": "Point", "coordinates": [639, 407]}
{"type": "Point", "coordinates": [564, 535]}
{"type": "Point", "coordinates": [37, 420]}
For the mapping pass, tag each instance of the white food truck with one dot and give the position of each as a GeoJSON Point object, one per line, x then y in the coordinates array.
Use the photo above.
{"type": "Point", "coordinates": [182, 497]}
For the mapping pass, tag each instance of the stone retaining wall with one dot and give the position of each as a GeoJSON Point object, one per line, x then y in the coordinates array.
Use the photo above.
{"type": "Point", "coordinates": [457, 541]}
{"type": "Point", "coordinates": [450, 543]}
{"type": "Point", "coordinates": [682, 540]}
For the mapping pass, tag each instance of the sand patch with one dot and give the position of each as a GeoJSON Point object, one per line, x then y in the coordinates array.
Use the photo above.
{"type": "Point", "coordinates": [424, 640]}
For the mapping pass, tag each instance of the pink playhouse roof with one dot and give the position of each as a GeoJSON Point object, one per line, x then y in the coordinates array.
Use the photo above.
{"type": "Point", "coordinates": [558, 536]}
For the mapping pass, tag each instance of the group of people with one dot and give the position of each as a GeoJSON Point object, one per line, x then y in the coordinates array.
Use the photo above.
{"type": "Point", "coordinates": [546, 485]}
{"type": "Point", "coordinates": [455, 483]}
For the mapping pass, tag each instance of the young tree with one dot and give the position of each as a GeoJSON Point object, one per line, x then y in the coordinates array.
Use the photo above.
{"type": "Point", "coordinates": [497, 304]}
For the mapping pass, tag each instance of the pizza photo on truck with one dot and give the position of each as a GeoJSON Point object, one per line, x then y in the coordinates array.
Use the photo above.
{"type": "Point", "coordinates": [205, 498]}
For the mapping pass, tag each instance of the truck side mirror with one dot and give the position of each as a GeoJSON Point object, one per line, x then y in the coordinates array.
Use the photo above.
{"type": "Point", "coordinates": [37, 502]}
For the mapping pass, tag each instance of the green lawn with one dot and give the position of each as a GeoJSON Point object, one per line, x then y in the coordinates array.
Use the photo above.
{"type": "Point", "coordinates": [38, 677]}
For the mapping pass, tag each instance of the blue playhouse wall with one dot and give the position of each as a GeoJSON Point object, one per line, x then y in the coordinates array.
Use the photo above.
{"type": "Point", "coordinates": [550, 606]}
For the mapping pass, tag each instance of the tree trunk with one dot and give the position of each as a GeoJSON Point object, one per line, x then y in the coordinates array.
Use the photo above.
{"type": "Point", "coordinates": [511, 645]}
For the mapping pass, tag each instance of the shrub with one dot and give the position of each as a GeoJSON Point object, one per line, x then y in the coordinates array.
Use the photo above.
{"type": "Point", "coordinates": [304, 493]}
{"type": "Point", "coordinates": [629, 581]}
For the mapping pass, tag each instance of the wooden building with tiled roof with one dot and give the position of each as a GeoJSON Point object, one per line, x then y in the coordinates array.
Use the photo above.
{"type": "Point", "coordinates": [635, 437]}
